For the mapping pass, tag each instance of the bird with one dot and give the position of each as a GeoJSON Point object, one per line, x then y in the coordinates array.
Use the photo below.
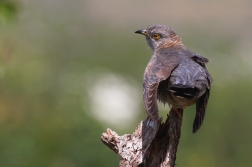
{"type": "Point", "coordinates": [174, 75]}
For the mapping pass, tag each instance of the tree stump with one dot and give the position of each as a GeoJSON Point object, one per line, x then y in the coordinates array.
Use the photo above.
{"type": "Point", "coordinates": [152, 144]}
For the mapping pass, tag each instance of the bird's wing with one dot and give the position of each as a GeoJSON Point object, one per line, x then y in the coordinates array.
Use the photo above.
{"type": "Point", "coordinates": [202, 61]}
{"type": "Point", "coordinates": [201, 104]}
{"type": "Point", "coordinates": [158, 69]}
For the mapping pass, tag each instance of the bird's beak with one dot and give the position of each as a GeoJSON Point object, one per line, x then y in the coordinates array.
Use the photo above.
{"type": "Point", "coordinates": [143, 32]}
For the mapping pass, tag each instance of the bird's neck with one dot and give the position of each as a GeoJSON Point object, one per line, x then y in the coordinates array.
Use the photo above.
{"type": "Point", "coordinates": [175, 43]}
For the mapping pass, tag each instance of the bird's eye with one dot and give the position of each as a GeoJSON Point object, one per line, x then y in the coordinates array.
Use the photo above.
{"type": "Point", "coordinates": [156, 36]}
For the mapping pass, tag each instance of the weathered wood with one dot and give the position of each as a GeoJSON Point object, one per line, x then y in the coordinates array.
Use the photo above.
{"type": "Point", "coordinates": [151, 144]}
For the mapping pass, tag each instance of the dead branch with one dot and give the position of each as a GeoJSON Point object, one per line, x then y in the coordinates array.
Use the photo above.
{"type": "Point", "coordinates": [153, 144]}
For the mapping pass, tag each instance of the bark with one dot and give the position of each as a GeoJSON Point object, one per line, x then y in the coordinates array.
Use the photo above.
{"type": "Point", "coordinates": [152, 144]}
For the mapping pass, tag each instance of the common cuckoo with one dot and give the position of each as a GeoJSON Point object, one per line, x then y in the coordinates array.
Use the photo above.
{"type": "Point", "coordinates": [174, 75]}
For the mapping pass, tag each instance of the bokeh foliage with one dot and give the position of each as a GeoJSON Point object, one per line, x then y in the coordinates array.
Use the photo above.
{"type": "Point", "coordinates": [8, 10]}
{"type": "Point", "coordinates": [44, 107]}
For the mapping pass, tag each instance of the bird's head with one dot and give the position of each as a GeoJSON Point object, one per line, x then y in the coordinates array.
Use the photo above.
{"type": "Point", "coordinates": [159, 36]}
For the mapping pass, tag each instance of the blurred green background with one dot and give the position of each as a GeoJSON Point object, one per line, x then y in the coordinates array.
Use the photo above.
{"type": "Point", "coordinates": [71, 69]}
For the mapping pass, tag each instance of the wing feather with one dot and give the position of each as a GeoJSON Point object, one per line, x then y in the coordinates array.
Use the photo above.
{"type": "Point", "coordinates": [202, 102]}
{"type": "Point", "coordinates": [158, 69]}
{"type": "Point", "coordinates": [200, 111]}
